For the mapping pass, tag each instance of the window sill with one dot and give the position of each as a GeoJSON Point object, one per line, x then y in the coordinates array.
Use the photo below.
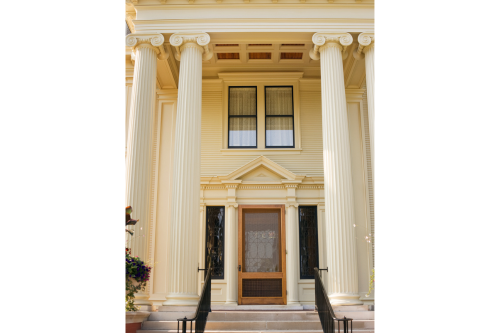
{"type": "Point", "coordinates": [255, 151]}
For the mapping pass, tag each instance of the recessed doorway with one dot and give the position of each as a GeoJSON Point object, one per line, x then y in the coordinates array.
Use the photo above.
{"type": "Point", "coordinates": [261, 254]}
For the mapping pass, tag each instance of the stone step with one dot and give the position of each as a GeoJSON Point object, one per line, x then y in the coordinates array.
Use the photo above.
{"type": "Point", "coordinates": [358, 330]}
{"type": "Point", "coordinates": [254, 325]}
{"type": "Point", "coordinates": [171, 308]}
{"type": "Point", "coordinates": [240, 315]}
{"type": "Point", "coordinates": [222, 307]}
{"type": "Point", "coordinates": [170, 315]}
{"type": "Point", "coordinates": [350, 308]}
{"type": "Point", "coordinates": [356, 315]}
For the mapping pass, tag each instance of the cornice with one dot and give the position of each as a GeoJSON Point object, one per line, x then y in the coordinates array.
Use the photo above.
{"type": "Point", "coordinates": [183, 4]}
{"type": "Point", "coordinates": [156, 41]}
{"type": "Point", "coordinates": [256, 25]}
{"type": "Point", "coordinates": [322, 39]}
{"type": "Point", "coordinates": [178, 40]}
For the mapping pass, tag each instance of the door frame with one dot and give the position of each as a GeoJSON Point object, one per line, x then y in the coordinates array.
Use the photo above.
{"type": "Point", "coordinates": [258, 275]}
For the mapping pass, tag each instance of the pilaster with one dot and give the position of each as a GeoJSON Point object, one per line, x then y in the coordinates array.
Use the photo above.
{"type": "Point", "coordinates": [367, 47]}
{"type": "Point", "coordinates": [292, 242]}
{"type": "Point", "coordinates": [231, 269]}
{"type": "Point", "coordinates": [342, 278]}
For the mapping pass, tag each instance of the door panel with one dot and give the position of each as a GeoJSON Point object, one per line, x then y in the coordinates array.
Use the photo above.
{"type": "Point", "coordinates": [261, 254]}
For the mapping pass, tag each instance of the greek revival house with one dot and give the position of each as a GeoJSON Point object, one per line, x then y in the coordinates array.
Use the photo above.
{"type": "Point", "coordinates": [249, 148]}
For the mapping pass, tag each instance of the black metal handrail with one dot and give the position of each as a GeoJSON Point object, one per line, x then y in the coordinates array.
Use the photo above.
{"type": "Point", "coordinates": [200, 317]}
{"type": "Point", "coordinates": [325, 311]}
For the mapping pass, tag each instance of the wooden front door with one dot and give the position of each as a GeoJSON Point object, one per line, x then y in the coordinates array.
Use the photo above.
{"type": "Point", "coordinates": [261, 254]}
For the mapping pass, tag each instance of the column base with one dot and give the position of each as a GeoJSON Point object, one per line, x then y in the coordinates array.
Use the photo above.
{"type": "Point", "coordinates": [344, 299]}
{"type": "Point", "coordinates": [182, 300]}
{"type": "Point", "coordinates": [235, 303]}
{"type": "Point", "coordinates": [293, 303]}
{"type": "Point", "coordinates": [142, 298]}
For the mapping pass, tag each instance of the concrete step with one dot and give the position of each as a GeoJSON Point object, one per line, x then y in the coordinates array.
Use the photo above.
{"type": "Point", "coordinates": [356, 315]}
{"type": "Point", "coordinates": [170, 315]}
{"type": "Point", "coordinates": [171, 308]}
{"type": "Point", "coordinates": [254, 325]}
{"type": "Point", "coordinates": [358, 330]}
{"type": "Point", "coordinates": [239, 316]}
{"type": "Point", "coordinates": [222, 307]}
{"type": "Point", "coordinates": [260, 316]}
{"type": "Point", "coordinates": [350, 308]}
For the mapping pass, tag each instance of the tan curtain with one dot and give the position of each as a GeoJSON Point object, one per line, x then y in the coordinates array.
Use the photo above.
{"type": "Point", "coordinates": [279, 130]}
{"type": "Point", "coordinates": [242, 130]}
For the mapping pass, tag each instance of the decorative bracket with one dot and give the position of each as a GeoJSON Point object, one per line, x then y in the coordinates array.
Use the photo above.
{"type": "Point", "coordinates": [151, 40]}
{"type": "Point", "coordinates": [199, 38]}
{"type": "Point", "coordinates": [365, 39]}
{"type": "Point", "coordinates": [321, 38]}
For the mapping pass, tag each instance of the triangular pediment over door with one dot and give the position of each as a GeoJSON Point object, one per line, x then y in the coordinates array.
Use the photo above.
{"type": "Point", "coordinates": [262, 169]}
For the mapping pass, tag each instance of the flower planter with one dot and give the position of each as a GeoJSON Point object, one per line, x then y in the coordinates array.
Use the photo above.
{"type": "Point", "coordinates": [134, 320]}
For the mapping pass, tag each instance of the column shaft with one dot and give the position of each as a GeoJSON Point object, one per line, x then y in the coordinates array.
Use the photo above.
{"type": "Point", "coordinates": [292, 257]}
{"type": "Point", "coordinates": [370, 87]}
{"type": "Point", "coordinates": [342, 278]}
{"type": "Point", "coordinates": [139, 151]}
{"type": "Point", "coordinates": [232, 256]}
{"type": "Point", "coordinates": [183, 247]}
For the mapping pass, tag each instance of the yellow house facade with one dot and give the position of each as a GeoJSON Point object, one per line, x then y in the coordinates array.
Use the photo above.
{"type": "Point", "coordinates": [249, 147]}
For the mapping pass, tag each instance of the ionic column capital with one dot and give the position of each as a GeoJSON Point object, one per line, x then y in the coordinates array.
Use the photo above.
{"type": "Point", "coordinates": [366, 41]}
{"type": "Point", "coordinates": [197, 39]}
{"type": "Point", "coordinates": [323, 40]}
{"type": "Point", "coordinates": [153, 41]}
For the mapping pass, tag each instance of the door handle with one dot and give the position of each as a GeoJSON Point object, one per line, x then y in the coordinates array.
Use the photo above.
{"type": "Point", "coordinates": [239, 268]}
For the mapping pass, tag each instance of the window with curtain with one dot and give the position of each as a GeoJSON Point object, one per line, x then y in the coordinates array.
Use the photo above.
{"type": "Point", "coordinates": [279, 117]}
{"type": "Point", "coordinates": [308, 241]}
{"type": "Point", "coordinates": [242, 117]}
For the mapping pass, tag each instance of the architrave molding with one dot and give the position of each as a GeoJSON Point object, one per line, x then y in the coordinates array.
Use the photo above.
{"type": "Point", "coordinates": [326, 39]}
{"type": "Point", "coordinates": [178, 40]}
{"type": "Point", "coordinates": [155, 41]}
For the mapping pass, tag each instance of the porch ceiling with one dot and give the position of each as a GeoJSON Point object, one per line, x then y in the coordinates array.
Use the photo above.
{"type": "Point", "coordinates": [261, 52]}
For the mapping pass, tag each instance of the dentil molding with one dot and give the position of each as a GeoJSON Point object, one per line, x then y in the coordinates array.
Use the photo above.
{"type": "Point", "coordinates": [366, 40]}
{"type": "Point", "coordinates": [322, 39]}
{"type": "Point", "coordinates": [154, 41]}
{"type": "Point", "coordinates": [178, 40]}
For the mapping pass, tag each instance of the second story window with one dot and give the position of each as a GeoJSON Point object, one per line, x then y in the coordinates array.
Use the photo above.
{"type": "Point", "coordinates": [242, 117]}
{"type": "Point", "coordinates": [279, 117]}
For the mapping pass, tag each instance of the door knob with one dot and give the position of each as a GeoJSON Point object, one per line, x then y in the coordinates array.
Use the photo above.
{"type": "Point", "coordinates": [239, 268]}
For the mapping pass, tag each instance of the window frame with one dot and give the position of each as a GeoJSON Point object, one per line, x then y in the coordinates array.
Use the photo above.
{"type": "Point", "coordinates": [278, 116]}
{"type": "Point", "coordinates": [308, 277]}
{"type": "Point", "coordinates": [229, 116]}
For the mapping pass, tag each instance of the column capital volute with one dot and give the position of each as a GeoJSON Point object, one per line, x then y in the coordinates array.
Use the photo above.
{"type": "Point", "coordinates": [327, 39]}
{"type": "Point", "coordinates": [153, 41]}
{"type": "Point", "coordinates": [232, 204]}
{"type": "Point", "coordinates": [366, 41]}
{"type": "Point", "coordinates": [201, 39]}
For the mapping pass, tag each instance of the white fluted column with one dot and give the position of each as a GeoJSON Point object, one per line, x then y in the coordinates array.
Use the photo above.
{"type": "Point", "coordinates": [367, 47]}
{"type": "Point", "coordinates": [183, 246]}
{"type": "Point", "coordinates": [342, 277]}
{"type": "Point", "coordinates": [292, 256]}
{"type": "Point", "coordinates": [140, 139]}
